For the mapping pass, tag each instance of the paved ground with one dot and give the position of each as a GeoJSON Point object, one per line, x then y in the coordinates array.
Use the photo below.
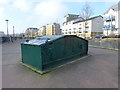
{"type": "Point", "coordinates": [100, 70]}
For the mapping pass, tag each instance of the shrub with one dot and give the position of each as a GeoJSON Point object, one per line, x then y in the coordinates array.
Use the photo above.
{"type": "Point", "coordinates": [112, 36]}
{"type": "Point", "coordinates": [118, 36]}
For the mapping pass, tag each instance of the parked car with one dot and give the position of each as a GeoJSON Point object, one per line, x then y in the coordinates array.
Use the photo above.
{"type": "Point", "coordinates": [98, 36]}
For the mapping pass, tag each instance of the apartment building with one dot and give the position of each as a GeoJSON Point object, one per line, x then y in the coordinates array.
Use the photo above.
{"type": "Point", "coordinates": [1, 33]}
{"type": "Point", "coordinates": [42, 31]}
{"type": "Point", "coordinates": [53, 29]}
{"type": "Point", "coordinates": [83, 28]}
{"type": "Point", "coordinates": [70, 17]}
{"type": "Point", "coordinates": [112, 20]}
{"type": "Point", "coordinates": [30, 32]}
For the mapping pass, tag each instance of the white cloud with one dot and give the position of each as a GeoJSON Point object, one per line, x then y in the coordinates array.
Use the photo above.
{"type": "Point", "coordinates": [23, 5]}
{"type": "Point", "coordinates": [88, 0]}
{"type": "Point", "coordinates": [40, 12]}
{"type": "Point", "coordinates": [1, 11]}
{"type": "Point", "coordinates": [49, 8]}
{"type": "Point", "coordinates": [50, 11]}
{"type": "Point", "coordinates": [3, 1]}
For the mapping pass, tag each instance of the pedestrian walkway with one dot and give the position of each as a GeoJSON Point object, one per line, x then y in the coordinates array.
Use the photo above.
{"type": "Point", "coordinates": [100, 70]}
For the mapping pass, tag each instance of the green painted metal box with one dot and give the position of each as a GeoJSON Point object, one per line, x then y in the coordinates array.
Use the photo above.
{"type": "Point", "coordinates": [44, 53]}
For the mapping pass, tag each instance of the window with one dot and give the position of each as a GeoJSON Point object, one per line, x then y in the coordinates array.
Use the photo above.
{"type": "Point", "coordinates": [74, 28]}
{"type": "Point", "coordinates": [80, 32]}
{"type": "Point", "coordinates": [86, 23]}
{"type": "Point", "coordinates": [73, 16]}
{"type": "Point", "coordinates": [77, 31]}
{"type": "Point", "coordinates": [87, 27]}
{"type": "Point", "coordinates": [86, 31]}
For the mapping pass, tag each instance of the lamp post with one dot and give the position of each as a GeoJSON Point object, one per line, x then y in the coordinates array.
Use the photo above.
{"type": "Point", "coordinates": [13, 32]}
{"type": "Point", "coordinates": [7, 27]}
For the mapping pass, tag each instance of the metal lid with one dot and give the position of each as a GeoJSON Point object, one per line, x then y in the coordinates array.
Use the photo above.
{"type": "Point", "coordinates": [44, 39]}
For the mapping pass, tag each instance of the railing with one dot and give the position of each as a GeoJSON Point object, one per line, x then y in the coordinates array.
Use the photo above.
{"type": "Point", "coordinates": [110, 18]}
{"type": "Point", "coordinates": [109, 27]}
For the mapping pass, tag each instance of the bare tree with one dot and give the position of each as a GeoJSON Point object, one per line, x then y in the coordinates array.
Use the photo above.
{"type": "Point", "coordinates": [86, 13]}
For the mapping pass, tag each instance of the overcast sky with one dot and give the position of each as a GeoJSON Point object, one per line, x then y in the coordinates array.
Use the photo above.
{"type": "Point", "coordinates": [36, 13]}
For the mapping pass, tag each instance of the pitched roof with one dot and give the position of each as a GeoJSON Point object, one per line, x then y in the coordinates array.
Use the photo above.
{"type": "Point", "coordinates": [71, 14]}
{"type": "Point", "coordinates": [48, 38]}
{"type": "Point", "coordinates": [76, 21]}
{"type": "Point", "coordinates": [51, 37]}
{"type": "Point", "coordinates": [114, 7]}
{"type": "Point", "coordinates": [94, 17]}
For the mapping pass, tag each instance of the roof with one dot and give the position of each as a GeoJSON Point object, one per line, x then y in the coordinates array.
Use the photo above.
{"type": "Point", "coordinates": [43, 39]}
{"type": "Point", "coordinates": [114, 7]}
{"type": "Point", "coordinates": [32, 28]}
{"type": "Point", "coordinates": [51, 37]}
{"type": "Point", "coordinates": [72, 14]}
{"type": "Point", "coordinates": [94, 17]}
{"type": "Point", "coordinates": [79, 20]}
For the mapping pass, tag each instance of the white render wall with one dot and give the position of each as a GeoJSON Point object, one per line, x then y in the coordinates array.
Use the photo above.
{"type": "Point", "coordinates": [111, 13]}
{"type": "Point", "coordinates": [115, 13]}
{"type": "Point", "coordinates": [57, 29]}
{"type": "Point", "coordinates": [42, 31]}
{"type": "Point", "coordinates": [116, 19]}
{"type": "Point", "coordinates": [116, 22]}
{"type": "Point", "coordinates": [66, 28]}
{"type": "Point", "coordinates": [94, 25]}
{"type": "Point", "coordinates": [119, 17]}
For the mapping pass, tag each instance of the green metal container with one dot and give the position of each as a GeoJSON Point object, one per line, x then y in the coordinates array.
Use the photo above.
{"type": "Point", "coordinates": [44, 53]}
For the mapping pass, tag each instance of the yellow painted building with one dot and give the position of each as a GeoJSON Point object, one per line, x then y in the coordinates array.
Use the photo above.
{"type": "Point", "coordinates": [53, 29]}
{"type": "Point", "coordinates": [49, 30]}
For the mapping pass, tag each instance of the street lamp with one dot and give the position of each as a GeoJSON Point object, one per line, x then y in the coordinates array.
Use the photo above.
{"type": "Point", "coordinates": [7, 27]}
{"type": "Point", "coordinates": [13, 32]}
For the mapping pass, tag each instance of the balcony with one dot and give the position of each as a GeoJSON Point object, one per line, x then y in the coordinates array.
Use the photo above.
{"type": "Point", "coordinates": [110, 18]}
{"type": "Point", "coordinates": [105, 27]}
{"type": "Point", "coordinates": [113, 26]}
